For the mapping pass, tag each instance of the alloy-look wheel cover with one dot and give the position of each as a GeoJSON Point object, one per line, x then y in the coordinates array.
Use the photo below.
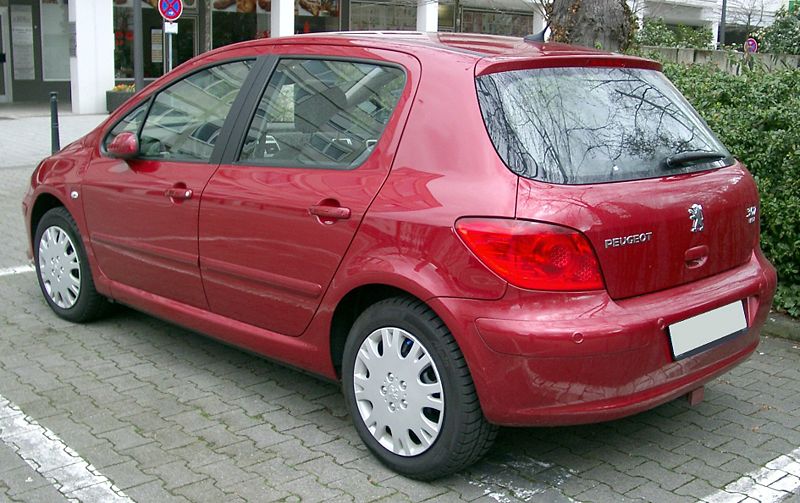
{"type": "Point", "coordinates": [59, 267]}
{"type": "Point", "coordinates": [398, 391]}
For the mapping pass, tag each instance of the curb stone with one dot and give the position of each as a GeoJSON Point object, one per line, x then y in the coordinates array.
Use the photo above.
{"type": "Point", "coordinates": [783, 326]}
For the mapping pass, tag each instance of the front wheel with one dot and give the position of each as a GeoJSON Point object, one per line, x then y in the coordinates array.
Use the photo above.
{"type": "Point", "coordinates": [410, 393]}
{"type": "Point", "coordinates": [63, 268]}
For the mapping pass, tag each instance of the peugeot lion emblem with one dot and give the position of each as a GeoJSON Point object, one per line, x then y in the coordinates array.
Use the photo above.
{"type": "Point", "coordinates": [696, 216]}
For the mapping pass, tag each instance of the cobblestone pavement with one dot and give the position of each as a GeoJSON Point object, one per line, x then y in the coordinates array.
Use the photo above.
{"type": "Point", "coordinates": [164, 414]}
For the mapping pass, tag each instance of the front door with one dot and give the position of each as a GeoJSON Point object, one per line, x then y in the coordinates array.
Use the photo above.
{"type": "Point", "coordinates": [142, 213]}
{"type": "Point", "coordinates": [5, 58]}
{"type": "Point", "coordinates": [276, 220]}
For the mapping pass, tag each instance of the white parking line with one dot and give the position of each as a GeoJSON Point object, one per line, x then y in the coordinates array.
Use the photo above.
{"type": "Point", "coordinates": [73, 476]}
{"type": "Point", "coordinates": [20, 269]}
{"type": "Point", "coordinates": [777, 480]}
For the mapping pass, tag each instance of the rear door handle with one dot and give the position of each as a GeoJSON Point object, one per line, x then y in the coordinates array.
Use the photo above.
{"type": "Point", "coordinates": [328, 214]}
{"type": "Point", "coordinates": [178, 193]}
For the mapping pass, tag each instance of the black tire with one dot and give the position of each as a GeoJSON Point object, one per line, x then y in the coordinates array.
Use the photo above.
{"type": "Point", "coordinates": [464, 435]}
{"type": "Point", "coordinates": [88, 304]}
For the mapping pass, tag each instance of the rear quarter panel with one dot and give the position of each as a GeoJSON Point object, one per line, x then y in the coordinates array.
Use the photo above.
{"type": "Point", "coordinates": [445, 168]}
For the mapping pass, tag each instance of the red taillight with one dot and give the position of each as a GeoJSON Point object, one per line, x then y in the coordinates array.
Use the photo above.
{"type": "Point", "coordinates": [533, 255]}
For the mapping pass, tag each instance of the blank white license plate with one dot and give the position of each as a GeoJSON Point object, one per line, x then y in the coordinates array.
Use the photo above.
{"type": "Point", "coordinates": [698, 333]}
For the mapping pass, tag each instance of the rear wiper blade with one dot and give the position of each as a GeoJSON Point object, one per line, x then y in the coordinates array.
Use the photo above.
{"type": "Point", "coordinates": [684, 158]}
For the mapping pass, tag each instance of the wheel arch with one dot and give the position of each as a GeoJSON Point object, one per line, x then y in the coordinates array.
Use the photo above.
{"type": "Point", "coordinates": [350, 307]}
{"type": "Point", "coordinates": [44, 203]}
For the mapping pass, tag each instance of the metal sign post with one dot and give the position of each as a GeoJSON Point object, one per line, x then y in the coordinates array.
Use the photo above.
{"type": "Point", "coordinates": [170, 10]}
{"type": "Point", "coordinates": [170, 29]}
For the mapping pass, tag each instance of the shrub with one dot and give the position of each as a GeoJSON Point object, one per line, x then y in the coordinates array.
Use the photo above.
{"type": "Point", "coordinates": [756, 115]}
{"type": "Point", "coordinates": [782, 36]}
{"type": "Point", "coordinates": [656, 33]}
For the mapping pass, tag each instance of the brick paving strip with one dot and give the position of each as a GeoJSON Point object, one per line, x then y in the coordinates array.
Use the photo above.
{"type": "Point", "coordinates": [53, 459]}
{"type": "Point", "coordinates": [772, 483]}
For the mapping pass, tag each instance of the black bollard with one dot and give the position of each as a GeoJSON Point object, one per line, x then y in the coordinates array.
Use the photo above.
{"type": "Point", "coordinates": [55, 142]}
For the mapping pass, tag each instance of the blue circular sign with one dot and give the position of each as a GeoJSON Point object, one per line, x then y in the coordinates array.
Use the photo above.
{"type": "Point", "coordinates": [751, 45]}
{"type": "Point", "coordinates": [170, 10]}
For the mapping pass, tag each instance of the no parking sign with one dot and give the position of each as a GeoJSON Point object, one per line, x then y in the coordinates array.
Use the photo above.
{"type": "Point", "coordinates": [170, 10]}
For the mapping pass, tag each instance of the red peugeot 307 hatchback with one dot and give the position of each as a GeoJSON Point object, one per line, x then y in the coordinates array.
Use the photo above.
{"type": "Point", "coordinates": [467, 230]}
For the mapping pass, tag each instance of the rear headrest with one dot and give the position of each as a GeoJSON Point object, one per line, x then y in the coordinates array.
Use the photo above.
{"type": "Point", "coordinates": [313, 112]}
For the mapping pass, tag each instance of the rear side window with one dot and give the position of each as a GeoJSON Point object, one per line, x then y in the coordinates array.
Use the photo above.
{"type": "Point", "coordinates": [322, 113]}
{"type": "Point", "coordinates": [592, 125]}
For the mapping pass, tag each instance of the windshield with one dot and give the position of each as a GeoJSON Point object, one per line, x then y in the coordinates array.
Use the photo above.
{"type": "Point", "coordinates": [591, 125]}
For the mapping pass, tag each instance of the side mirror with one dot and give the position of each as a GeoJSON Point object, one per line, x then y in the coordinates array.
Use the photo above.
{"type": "Point", "coordinates": [124, 146]}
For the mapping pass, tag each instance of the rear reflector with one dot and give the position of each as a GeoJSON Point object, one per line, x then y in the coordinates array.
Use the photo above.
{"type": "Point", "coordinates": [533, 255]}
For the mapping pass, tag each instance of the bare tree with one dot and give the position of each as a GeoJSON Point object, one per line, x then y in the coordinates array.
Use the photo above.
{"type": "Point", "coordinates": [747, 13]}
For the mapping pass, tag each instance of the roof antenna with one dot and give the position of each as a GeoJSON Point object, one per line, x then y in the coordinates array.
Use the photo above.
{"type": "Point", "coordinates": [537, 37]}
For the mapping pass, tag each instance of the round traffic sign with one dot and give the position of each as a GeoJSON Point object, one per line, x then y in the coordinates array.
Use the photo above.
{"type": "Point", "coordinates": [170, 10]}
{"type": "Point", "coordinates": [751, 45]}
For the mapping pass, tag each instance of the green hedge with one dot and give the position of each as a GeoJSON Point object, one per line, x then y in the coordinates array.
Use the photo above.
{"type": "Point", "coordinates": [757, 116]}
{"type": "Point", "coordinates": [656, 32]}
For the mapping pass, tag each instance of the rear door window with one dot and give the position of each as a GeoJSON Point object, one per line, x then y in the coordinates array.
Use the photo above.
{"type": "Point", "coordinates": [322, 113]}
{"type": "Point", "coordinates": [593, 125]}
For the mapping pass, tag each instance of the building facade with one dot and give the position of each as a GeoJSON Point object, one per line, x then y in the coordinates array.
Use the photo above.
{"type": "Point", "coordinates": [742, 16]}
{"type": "Point", "coordinates": [81, 48]}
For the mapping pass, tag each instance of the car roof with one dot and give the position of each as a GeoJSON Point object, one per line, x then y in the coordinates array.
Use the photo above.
{"type": "Point", "coordinates": [496, 53]}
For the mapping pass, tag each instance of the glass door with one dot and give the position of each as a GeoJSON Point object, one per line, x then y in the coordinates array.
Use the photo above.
{"type": "Point", "coordinates": [185, 42]}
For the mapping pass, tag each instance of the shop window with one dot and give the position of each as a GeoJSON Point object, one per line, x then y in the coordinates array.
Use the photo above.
{"type": "Point", "coordinates": [496, 23]}
{"type": "Point", "coordinates": [382, 16]}
{"type": "Point", "coordinates": [185, 43]}
{"type": "Point", "coordinates": [55, 39]}
{"type": "Point", "coordinates": [233, 21]}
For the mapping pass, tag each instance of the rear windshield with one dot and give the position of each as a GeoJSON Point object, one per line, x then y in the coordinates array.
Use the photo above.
{"type": "Point", "coordinates": [592, 125]}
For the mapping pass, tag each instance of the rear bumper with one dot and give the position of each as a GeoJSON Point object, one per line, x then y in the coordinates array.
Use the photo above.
{"type": "Point", "coordinates": [541, 358]}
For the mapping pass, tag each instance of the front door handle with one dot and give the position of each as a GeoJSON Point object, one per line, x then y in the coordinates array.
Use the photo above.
{"type": "Point", "coordinates": [329, 214]}
{"type": "Point", "coordinates": [178, 193]}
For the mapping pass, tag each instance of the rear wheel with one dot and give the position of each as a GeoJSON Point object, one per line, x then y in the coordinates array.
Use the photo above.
{"type": "Point", "coordinates": [410, 393]}
{"type": "Point", "coordinates": [63, 268]}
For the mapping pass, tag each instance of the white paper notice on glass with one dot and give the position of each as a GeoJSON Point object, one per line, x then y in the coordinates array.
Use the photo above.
{"type": "Point", "coordinates": [22, 42]}
{"type": "Point", "coordinates": [156, 45]}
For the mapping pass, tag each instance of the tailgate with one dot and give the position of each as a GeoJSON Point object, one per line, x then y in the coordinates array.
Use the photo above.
{"type": "Point", "coordinates": [642, 231]}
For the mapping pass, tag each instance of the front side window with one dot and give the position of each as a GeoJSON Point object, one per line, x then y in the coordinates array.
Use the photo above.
{"type": "Point", "coordinates": [129, 124]}
{"type": "Point", "coordinates": [594, 125]}
{"type": "Point", "coordinates": [320, 113]}
{"type": "Point", "coordinates": [186, 118]}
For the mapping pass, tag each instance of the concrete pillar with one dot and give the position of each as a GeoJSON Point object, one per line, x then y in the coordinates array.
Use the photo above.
{"type": "Point", "coordinates": [714, 33]}
{"type": "Point", "coordinates": [282, 18]}
{"type": "Point", "coordinates": [427, 15]}
{"type": "Point", "coordinates": [538, 22]}
{"type": "Point", "coordinates": [91, 69]}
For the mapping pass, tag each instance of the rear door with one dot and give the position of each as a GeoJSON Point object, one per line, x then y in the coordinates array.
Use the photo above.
{"type": "Point", "coordinates": [281, 211]}
{"type": "Point", "coordinates": [592, 146]}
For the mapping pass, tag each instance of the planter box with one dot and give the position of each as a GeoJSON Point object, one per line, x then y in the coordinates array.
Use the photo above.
{"type": "Point", "coordinates": [114, 99]}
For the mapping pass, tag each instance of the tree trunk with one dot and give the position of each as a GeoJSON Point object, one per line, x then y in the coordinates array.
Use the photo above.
{"type": "Point", "coordinates": [600, 24]}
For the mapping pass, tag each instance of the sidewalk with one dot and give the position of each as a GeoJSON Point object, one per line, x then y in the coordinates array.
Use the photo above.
{"type": "Point", "coordinates": [25, 131]}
